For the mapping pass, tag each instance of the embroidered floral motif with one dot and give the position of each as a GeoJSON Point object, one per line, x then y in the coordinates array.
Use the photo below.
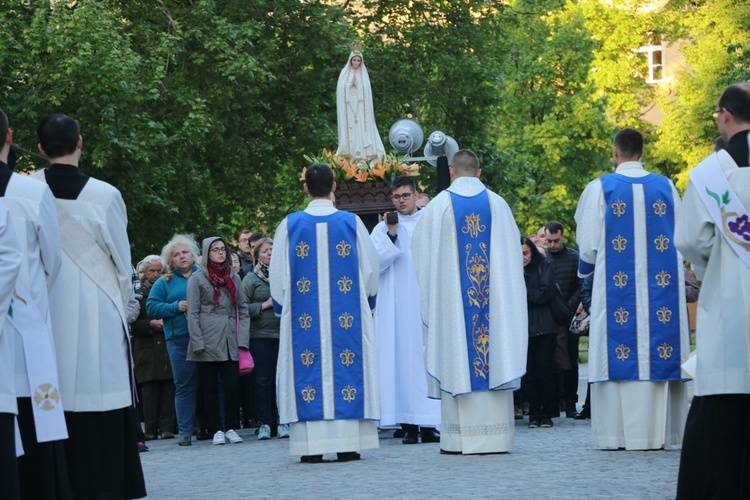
{"type": "Point", "coordinates": [347, 357]}
{"type": "Point", "coordinates": [308, 394]}
{"type": "Point", "coordinates": [618, 207]}
{"type": "Point", "coordinates": [662, 243]}
{"type": "Point", "coordinates": [665, 351]}
{"type": "Point", "coordinates": [621, 279]}
{"type": "Point", "coordinates": [481, 338]}
{"type": "Point", "coordinates": [660, 208]}
{"type": "Point", "coordinates": [664, 315]}
{"type": "Point", "coordinates": [619, 243]}
{"type": "Point", "coordinates": [303, 249]}
{"type": "Point", "coordinates": [345, 284]}
{"type": "Point", "coordinates": [346, 321]}
{"type": "Point", "coordinates": [623, 352]}
{"type": "Point", "coordinates": [662, 278]}
{"type": "Point", "coordinates": [473, 225]}
{"type": "Point", "coordinates": [349, 393]}
{"type": "Point", "coordinates": [621, 316]}
{"type": "Point", "coordinates": [305, 321]}
{"type": "Point", "coordinates": [303, 285]}
{"type": "Point", "coordinates": [308, 357]}
{"type": "Point", "coordinates": [344, 248]}
{"type": "Point", "coordinates": [477, 269]}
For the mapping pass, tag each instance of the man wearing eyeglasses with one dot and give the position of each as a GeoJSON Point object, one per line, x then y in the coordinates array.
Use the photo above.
{"type": "Point", "coordinates": [403, 380]}
{"type": "Point", "coordinates": [713, 233]}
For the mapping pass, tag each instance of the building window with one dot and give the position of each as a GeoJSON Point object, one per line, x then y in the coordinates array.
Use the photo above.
{"type": "Point", "coordinates": [654, 59]}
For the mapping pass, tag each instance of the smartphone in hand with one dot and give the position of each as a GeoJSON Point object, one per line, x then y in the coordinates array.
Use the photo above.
{"type": "Point", "coordinates": [391, 218]}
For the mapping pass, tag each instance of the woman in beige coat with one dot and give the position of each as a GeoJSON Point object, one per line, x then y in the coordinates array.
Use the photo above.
{"type": "Point", "coordinates": [217, 310]}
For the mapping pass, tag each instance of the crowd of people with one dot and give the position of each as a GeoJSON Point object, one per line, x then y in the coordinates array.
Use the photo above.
{"type": "Point", "coordinates": [351, 331]}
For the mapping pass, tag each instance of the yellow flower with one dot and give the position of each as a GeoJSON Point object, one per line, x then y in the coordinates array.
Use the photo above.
{"type": "Point", "coordinates": [302, 177]}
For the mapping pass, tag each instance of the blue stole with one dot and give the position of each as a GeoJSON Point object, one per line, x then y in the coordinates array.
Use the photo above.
{"type": "Point", "coordinates": [473, 216]}
{"type": "Point", "coordinates": [332, 240]}
{"type": "Point", "coordinates": [662, 276]}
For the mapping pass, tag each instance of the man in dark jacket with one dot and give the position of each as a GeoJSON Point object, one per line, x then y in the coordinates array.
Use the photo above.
{"type": "Point", "coordinates": [565, 265]}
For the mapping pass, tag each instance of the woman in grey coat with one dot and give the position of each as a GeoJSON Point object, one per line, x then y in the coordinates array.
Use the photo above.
{"type": "Point", "coordinates": [217, 310]}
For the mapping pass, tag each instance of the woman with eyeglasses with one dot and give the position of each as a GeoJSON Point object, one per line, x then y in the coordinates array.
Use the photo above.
{"type": "Point", "coordinates": [217, 311]}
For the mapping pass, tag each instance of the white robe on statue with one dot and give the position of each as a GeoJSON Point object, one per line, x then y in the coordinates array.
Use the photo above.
{"type": "Point", "coordinates": [93, 352]}
{"type": "Point", "coordinates": [643, 413]}
{"type": "Point", "coordinates": [317, 437]}
{"type": "Point", "coordinates": [403, 379]}
{"type": "Point", "coordinates": [481, 421]}
{"type": "Point", "coordinates": [10, 264]}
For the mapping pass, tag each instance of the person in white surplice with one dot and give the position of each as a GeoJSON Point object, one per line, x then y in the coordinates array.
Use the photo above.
{"type": "Point", "coordinates": [324, 278]}
{"type": "Point", "coordinates": [464, 246]}
{"type": "Point", "coordinates": [42, 426]}
{"type": "Point", "coordinates": [403, 380]}
{"type": "Point", "coordinates": [87, 305]}
{"type": "Point", "coordinates": [639, 331]}
{"type": "Point", "coordinates": [713, 233]}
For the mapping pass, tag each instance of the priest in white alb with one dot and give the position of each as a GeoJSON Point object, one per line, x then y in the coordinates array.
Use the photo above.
{"type": "Point", "coordinates": [639, 332]}
{"type": "Point", "coordinates": [403, 379]}
{"type": "Point", "coordinates": [324, 279]}
{"type": "Point", "coordinates": [467, 255]}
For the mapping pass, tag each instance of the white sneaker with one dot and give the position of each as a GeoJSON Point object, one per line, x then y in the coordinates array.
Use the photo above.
{"type": "Point", "coordinates": [264, 432]}
{"type": "Point", "coordinates": [219, 438]}
{"type": "Point", "coordinates": [283, 431]}
{"type": "Point", "coordinates": [233, 437]}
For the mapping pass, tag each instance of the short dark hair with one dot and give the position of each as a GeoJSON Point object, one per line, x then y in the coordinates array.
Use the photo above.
{"type": "Point", "coordinates": [255, 237]}
{"type": "Point", "coordinates": [403, 181]}
{"type": "Point", "coordinates": [319, 180]}
{"type": "Point", "coordinates": [4, 126]}
{"type": "Point", "coordinates": [630, 142]}
{"type": "Point", "coordinates": [465, 162]}
{"type": "Point", "coordinates": [58, 135]}
{"type": "Point", "coordinates": [554, 227]}
{"type": "Point", "coordinates": [536, 255]}
{"type": "Point", "coordinates": [736, 100]}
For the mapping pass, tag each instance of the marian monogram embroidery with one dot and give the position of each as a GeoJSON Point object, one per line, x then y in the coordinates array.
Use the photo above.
{"type": "Point", "coordinates": [347, 357]}
{"type": "Point", "coordinates": [621, 279]}
{"type": "Point", "coordinates": [308, 357]}
{"type": "Point", "coordinates": [664, 315]}
{"type": "Point", "coordinates": [303, 249]}
{"type": "Point", "coordinates": [618, 207]}
{"type": "Point", "coordinates": [305, 321]}
{"type": "Point", "coordinates": [308, 394]}
{"type": "Point", "coordinates": [303, 285]}
{"type": "Point", "coordinates": [662, 279]}
{"type": "Point", "coordinates": [660, 208]}
{"type": "Point", "coordinates": [623, 352]}
{"type": "Point", "coordinates": [477, 268]}
{"type": "Point", "coordinates": [473, 225]}
{"type": "Point", "coordinates": [662, 243]}
{"type": "Point", "coordinates": [344, 248]}
{"type": "Point", "coordinates": [619, 243]}
{"type": "Point", "coordinates": [665, 351]}
{"type": "Point", "coordinates": [349, 393]}
{"type": "Point", "coordinates": [345, 284]}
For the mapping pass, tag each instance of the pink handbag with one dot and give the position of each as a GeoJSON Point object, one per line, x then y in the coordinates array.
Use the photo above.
{"type": "Point", "coordinates": [247, 363]}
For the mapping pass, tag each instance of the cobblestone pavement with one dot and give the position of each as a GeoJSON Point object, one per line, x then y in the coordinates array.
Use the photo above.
{"type": "Point", "coordinates": [544, 463]}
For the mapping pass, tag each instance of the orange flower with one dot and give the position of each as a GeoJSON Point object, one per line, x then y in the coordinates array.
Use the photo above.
{"type": "Point", "coordinates": [378, 172]}
{"type": "Point", "coordinates": [361, 176]}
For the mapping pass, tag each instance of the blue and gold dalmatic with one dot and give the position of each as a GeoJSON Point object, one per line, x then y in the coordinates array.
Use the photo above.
{"type": "Point", "coordinates": [317, 244]}
{"type": "Point", "coordinates": [473, 217]}
{"type": "Point", "coordinates": [638, 208]}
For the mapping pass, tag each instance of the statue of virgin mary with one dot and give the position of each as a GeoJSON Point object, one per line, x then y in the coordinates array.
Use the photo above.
{"type": "Point", "coordinates": [358, 134]}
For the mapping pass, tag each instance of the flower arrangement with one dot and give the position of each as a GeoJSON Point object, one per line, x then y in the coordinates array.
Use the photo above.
{"type": "Point", "coordinates": [347, 171]}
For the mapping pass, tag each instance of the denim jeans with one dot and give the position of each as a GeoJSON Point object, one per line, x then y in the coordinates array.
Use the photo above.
{"type": "Point", "coordinates": [185, 384]}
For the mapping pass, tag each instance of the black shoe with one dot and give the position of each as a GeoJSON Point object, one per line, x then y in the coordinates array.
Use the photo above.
{"type": "Point", "coordinates": [348, 456]}
{"type": "Point", "coordinates": [311, 459]}
{"type": "Point", "coordinates": [584, 415]}
{"type": "Point", "coordinates": [546, 423]}
{"type": "Point", "coordinates": [203, 435]}
{"type": "Point", "coordinates": [534, 424]}
{"type": "Point", "coordinates": [399, 433]}
{"type": "Point", "coordinates": [410, 438]}
{"type": "Point", "coordinates": [570, 409]}
{"type": "Point", "coordinates": [446, 452]}
{"type": "Point", "coordinates": [430, 435]}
